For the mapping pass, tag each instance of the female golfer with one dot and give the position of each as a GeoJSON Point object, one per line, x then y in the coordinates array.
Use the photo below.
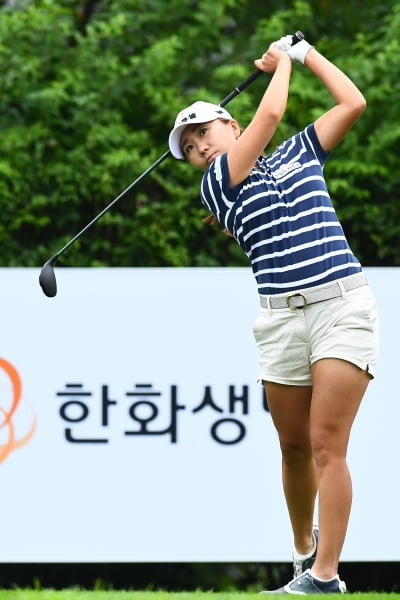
{"type": "Point", "coordinates": [317, 330]}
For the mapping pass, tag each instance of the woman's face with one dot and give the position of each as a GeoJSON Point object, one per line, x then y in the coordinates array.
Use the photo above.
{"type": "Point", "coordinates": [201, 143]}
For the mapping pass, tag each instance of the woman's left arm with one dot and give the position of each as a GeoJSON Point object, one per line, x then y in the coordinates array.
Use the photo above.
{"type": "Point", "coordinates": [332, 126]}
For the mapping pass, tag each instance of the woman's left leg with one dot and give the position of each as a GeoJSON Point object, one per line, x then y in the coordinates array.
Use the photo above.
{"type": "Point", "coordinates": [338, 388]}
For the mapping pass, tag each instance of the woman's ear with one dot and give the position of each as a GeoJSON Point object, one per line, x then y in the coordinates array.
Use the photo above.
{"type": "Point", "coordinates": [235, 127]}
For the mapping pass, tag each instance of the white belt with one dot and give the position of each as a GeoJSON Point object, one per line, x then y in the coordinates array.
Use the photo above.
{"type": "Point", "coordinates": [302, 298]}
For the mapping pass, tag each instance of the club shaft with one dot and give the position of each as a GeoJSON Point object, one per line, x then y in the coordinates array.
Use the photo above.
{"type": "Point", "coordinates": [241, 87]}
{"type": "Point", "coordinates": [109, 206]}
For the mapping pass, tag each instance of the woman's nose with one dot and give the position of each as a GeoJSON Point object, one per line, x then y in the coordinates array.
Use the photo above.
{"type": "Point", "coordinates": [203, 146]}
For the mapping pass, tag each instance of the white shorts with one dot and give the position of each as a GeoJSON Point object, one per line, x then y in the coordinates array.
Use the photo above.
{"type": "Point", "coordinates": [289, 340]}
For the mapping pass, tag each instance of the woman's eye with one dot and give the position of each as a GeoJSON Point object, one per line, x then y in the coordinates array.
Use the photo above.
{"type": "Point", "coordinates": [203, 131]}
{"type": "Point", "coordinates": [188, 148]}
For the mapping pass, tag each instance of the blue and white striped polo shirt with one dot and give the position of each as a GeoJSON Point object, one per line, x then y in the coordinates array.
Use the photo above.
{"type": "Point", "coordinates": [282, 216]}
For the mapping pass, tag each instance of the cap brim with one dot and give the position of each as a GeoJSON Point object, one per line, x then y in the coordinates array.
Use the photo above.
{"type": "Point", "coordinates": [175, 141]}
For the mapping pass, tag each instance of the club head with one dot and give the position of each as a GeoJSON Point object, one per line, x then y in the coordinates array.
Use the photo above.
{"type": "Point", "coordinates": [47, 280]}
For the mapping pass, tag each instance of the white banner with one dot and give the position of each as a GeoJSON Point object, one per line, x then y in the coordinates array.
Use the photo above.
{"type": "Point", "coordinates": [133, 428]}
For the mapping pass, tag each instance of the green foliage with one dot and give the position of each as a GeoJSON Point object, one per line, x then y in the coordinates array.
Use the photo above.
{"type": "Point", "coordinates": [88, 94]}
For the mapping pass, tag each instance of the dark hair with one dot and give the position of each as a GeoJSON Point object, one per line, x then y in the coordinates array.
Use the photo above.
{"type": "Point", "coordinates": [212, 220]}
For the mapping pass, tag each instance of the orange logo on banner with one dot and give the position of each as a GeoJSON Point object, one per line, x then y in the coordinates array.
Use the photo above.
{"type": "Point", "coordinates": [9, 441]}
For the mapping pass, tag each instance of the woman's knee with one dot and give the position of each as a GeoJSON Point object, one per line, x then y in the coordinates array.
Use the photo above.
{"type": "Point", "coordinates": [295, 453]}
{"type": "Point", "coordinates": [328, 447]}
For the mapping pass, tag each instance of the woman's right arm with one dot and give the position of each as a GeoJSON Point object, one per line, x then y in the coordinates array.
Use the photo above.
{"type": "Point", "coordinates": [243, 155]}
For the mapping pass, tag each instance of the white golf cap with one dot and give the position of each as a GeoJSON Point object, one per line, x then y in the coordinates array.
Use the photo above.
{"type": "Point", "coordinates": [198, 112]}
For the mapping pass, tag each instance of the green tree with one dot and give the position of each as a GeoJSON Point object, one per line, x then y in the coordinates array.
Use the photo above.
{"type": "Point", "coordinates": [89, 92]}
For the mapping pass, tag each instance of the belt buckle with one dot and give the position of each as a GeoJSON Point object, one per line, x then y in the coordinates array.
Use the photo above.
{"type": "Point", "coordinates": [289, 296]}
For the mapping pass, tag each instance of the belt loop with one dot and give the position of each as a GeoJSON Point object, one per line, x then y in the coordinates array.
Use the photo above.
{"type": "Point", "coordinates": [267, 300]}
{"type": "Point", "coordinates": [342, 289]}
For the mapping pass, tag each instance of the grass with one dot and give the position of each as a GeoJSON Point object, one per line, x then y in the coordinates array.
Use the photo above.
{"type": "Point", "coordinates": [77, 594]}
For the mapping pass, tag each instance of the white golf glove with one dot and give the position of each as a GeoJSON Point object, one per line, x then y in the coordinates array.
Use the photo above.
{"type": "Point", "coordinates": [299, 51]}
{"type": "Point", "coordinates": [284, 43]}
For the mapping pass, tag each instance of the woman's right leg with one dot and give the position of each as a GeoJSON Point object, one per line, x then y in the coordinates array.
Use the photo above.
{"type": "Point", "coordinates": [290, 411]}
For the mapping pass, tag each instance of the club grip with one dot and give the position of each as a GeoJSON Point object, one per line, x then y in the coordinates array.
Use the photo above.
{"type": "Point", "coordinates": [298, 36]}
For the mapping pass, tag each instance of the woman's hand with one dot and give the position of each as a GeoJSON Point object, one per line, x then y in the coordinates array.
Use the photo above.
{"type": "Point", "coordinates": [270, 59]}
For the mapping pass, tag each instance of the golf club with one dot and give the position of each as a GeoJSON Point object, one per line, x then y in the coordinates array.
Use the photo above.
{"type": "Point", "coordinates": [47, 278]}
